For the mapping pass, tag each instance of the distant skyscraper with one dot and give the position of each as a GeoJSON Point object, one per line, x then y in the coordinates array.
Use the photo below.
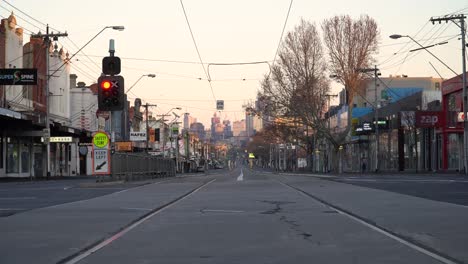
{"type": "Point", "coordinates": [198, 129]}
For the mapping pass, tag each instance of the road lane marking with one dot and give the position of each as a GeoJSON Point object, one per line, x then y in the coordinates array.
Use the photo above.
{"type": "Point", "coordinates": [241, 176]}
{"type": "Point", "coordinates": [81, 255]}
{"type": "Point", "coordinates": [388, 233]}
{"type": "Point", "coordinates": [220, 211]}
{"type": "Point", "coordinates": [136, 208]}
{"type": "Point", "coordinates": [18, 198]}
{"type": "Point", "coordinates": [109, 194]}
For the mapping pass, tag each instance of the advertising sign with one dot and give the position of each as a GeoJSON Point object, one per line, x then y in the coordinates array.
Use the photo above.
{"type": "Point", "coordinates": [123, 146]}
{"type": "Point", "coordinates": [18, 76]}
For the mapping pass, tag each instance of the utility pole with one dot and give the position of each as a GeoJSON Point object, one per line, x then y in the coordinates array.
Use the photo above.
{"type": "Point", "coordinates": [377, 136]}
{"type": "Point", "coordinates": [459, 20]}
{"type": "Point", "coordinates": [376, 72]}
{"type": "Point", "coordinates": [147, 125]}
{"type": "Point", "coordinates": [164, 133]}
{"type": "Point", "coordinates": [329, 129]}
{"type": "Point", "coordinates": [46, 38]}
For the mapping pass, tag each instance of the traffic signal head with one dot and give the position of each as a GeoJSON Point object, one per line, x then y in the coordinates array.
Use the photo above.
{"type": "Point", "coordinates": [111, 94]}
{"type": "Point", "coordinates": [111, 65]}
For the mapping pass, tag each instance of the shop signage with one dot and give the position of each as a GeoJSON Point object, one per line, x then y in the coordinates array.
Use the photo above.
{"type": "Point", "coordinates": [425, 119]}
{"type": "Point", "coordinates": [138, 136]}
{"type": "Point", "coordinates": [18, 76]}
{"type": "Point", "coordinates": [123, 146]}
{"type": "Point", "coordinates": [61, 139]}
{"type": "Point", "coordinates": [461, 117]}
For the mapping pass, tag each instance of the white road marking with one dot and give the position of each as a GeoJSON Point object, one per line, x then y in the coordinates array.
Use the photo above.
{"type": "Point", "coordinates": [220, 211]}
{"type": "Point", "coordinates": [17, 198]}
{"type": "Point", "coordinates": [110, 194]}
{"type": "Point", "coordinates": [241, 176]}
{"type": "Point", "coordinates": [136, 208]}
{"type": "Point", "coordinates": [108, 241]}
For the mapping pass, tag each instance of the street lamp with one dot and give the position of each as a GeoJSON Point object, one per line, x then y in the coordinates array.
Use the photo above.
{"type": "Point", "coordinates": [151, 75]}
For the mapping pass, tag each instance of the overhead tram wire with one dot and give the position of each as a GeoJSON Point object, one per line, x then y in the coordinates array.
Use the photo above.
{"type": "Point", "coordinates": [282, 33]}
{"type": "Point", "coordinates": [198, 52]}
{"type": "Point", "coordinates": [409, 56]}
{"type": "Point", "coordinates": [74, 63]}
{"type": "Point", "coordinates": [408, 43]}
{"type": "Point", "coordinates": [76, 46]}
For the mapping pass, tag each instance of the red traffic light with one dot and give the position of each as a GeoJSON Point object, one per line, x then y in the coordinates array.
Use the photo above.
{"type": "Point", "coordinates": [106, 84]}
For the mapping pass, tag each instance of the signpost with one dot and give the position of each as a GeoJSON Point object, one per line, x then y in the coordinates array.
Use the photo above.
{"type": "Point", "coordinates": [101, 154]}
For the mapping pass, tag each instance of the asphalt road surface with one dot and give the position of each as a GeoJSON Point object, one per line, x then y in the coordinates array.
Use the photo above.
{"type": "Point", "coordinates": [240, 216]}
{"type": "Point", "coordinates": [445, 188]}
{"type": "Point", "coordinates": [18, 197]}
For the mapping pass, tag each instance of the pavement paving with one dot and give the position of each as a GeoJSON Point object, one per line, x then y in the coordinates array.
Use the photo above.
{"type": "Point", "coordinates": [239, 216]}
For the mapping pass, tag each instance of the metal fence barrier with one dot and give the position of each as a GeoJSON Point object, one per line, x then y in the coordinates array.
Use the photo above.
{"type": "Point", "coordinates": [140, 166]}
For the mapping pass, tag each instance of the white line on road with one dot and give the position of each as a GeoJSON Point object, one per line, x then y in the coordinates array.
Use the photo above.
{"type": "Point", "coordinates": [17, 198]}
{"type": "Point", "coordinates": [374, 227]}
{"type": "Point", "coordinates": [110, 194]}
{"type": "Point", "coordinates": [136, 208]}
{"type": "Point", "coordinates": [220, 211]}
{"type": "Point", "coordinates": [127, 229]}
{"type": "Point", "coordinates": [241, 176]}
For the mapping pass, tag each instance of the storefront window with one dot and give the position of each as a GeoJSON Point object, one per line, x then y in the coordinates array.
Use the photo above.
{"type": "Point", "coordinates": [453, 151]}
{"type": "Point", "coordinates": [25, 158]}
{"type": "Point", "coordinates": [12, 156]}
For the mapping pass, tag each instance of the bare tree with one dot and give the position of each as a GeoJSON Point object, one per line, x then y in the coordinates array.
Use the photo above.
{"type": "Point", "coordinates": [351, 44]}
{"type": "Point", "coordinates": [298, 84]}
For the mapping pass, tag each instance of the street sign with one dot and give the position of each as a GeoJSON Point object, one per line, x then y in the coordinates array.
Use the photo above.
{"type": "Point", "coordinates": [220, 104]}
{"type": "Point", "coordinates": [101, 163]}
{"type": "Point", "coordinates": [101, 140]}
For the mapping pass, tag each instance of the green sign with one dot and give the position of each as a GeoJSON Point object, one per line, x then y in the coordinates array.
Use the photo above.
{"type": "Point", "coordinates": [100, 140]}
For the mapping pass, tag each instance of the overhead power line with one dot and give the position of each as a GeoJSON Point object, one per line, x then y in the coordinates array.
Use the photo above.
{"type": "Point", "coordinates": [282, 33]}
{"type": "Point", "coordinates": [196, 47]}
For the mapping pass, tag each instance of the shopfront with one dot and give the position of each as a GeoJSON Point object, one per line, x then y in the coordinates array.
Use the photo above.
{"type": "Point", "coordinates": [450, 135]}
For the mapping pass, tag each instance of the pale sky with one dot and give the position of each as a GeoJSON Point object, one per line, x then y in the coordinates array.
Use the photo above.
{"type": "Point", "coordinates": [227, 31]}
